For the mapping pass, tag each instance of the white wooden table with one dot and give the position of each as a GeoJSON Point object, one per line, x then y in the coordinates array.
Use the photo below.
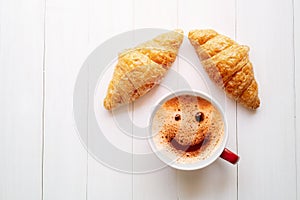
{"type": "Point", "coordinates": [42, 46]}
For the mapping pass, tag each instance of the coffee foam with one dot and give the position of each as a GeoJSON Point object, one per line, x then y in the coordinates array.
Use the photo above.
{"type": "Point", "coordinates": [187, 131]}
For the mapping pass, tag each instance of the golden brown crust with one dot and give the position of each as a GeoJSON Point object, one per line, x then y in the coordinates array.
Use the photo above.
{"type": "Point", "coordinates": [224, 64]}
{"type": "Point", "coordinates": [240, 81]}
{"type": "Point", "coordinates": [145, 77]}
{"type": "Point", "coordinates": [249, 98]}
{"type": "Point", "coordinates": [120, 84]}
{"type": "Point", "coordinates": [214, 46]}
{"type": "Point", "coordinates": [139, 69]}
{"type": "Point", "coordinates": [199, 37]}
{"type": "Point", "coordinates": [163, 58]}
{"type": "Point", "coordinates": [227, 63]}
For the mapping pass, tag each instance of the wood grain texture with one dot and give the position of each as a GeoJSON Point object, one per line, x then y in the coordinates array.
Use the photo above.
{"type": "Point", "coordinates": [220, 176]}
{"type": "Point", "coordinates": [65, 159]}
{"type": "Point", "coordinates": [21, 71]}
{"type": "Point", "coordinates": [267, 169]}
{"type": "Point", "coordinates": [297, 87]}
{"type": "Point", "coordinates": [156, 14]}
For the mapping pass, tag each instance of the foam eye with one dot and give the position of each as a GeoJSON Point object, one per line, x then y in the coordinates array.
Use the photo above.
{"type": "Point", "coordinates": [177, 117]}
{"type": "Point", "coordinates": [199, 116]}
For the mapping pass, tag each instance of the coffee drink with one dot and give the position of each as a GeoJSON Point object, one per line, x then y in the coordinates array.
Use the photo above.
{"type": "Point", "coordinates": [189, 128]}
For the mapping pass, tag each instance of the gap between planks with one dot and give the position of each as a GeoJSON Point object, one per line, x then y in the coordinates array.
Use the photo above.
{"type": "Point", "coordinates": [43, 100]}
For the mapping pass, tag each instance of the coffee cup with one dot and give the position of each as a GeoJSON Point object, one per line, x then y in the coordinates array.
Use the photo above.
{"type": "Point", "coordinates": [188, 130]}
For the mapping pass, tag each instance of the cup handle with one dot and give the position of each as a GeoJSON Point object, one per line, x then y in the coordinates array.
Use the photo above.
{"type": "Point", "coordinates": [230, 156]}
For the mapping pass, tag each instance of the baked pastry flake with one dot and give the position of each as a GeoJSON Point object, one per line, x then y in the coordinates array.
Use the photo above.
{"type": "Point", "coordinates": [227, 64]}
{"type": "Point", "coordinates": [141, 68]}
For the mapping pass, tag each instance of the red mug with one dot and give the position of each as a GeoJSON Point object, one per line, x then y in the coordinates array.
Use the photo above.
{"type": "Point", "coordinates": [220, 151]}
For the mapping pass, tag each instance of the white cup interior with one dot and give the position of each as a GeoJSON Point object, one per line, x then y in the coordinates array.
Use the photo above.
{"type": "Point", "coordinates": [171, 161]}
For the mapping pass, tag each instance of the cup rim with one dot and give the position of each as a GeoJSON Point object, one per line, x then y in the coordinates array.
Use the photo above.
{"type": "Point", "coordinates": [188, 166]}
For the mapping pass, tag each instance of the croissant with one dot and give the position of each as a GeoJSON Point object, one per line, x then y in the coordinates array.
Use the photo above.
{"type": "Point", "coordinates": [227, 64]}
{"type": "Point", "coordinates": [141, 68]}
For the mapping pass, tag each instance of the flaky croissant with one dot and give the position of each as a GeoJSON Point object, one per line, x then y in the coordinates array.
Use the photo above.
{"type": "Point", "coordinates": [139, 69]}
{"type": "Point", "coordinates": [227, 64]}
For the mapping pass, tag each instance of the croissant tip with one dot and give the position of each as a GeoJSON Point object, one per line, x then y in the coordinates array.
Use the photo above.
{"type": "Point", "coordinates": [191, 32]}
{"type": "Point", "coordinates": [106, 104]}
{"type": "Point", "coordinates": [202, 30]}
{"type": "Point", "coordinates": [254, 105]}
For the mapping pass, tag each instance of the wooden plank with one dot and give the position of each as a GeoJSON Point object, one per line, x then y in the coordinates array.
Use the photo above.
{"type": "Point", "coordinates": [65, 164]}
{"type": "Point", "coordinates": [21, 88]}
{"type": "Point", "coordinates": [107, 19]}
{"type": "Point", "coordinates": [297, 86]}
{"type": "Point", "coordinates": [267, 137]}
{"type": "Point", "coordinates": [156, 14]}
{"type": "Point", "coordinates": [220, 176]}
{"type": "Point", "coordinates": [160, 183]}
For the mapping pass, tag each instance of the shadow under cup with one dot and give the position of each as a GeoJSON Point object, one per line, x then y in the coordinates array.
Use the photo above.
{"type": "Point", "coordinates": [176, 155]}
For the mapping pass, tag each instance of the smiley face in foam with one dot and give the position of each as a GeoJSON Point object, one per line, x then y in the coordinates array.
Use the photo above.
{"type": "Point", "coordinates": [188, 125]}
